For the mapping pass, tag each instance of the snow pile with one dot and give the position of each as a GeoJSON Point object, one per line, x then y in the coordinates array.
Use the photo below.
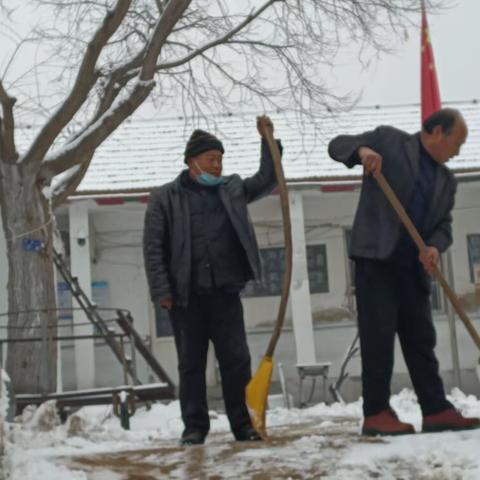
{"type": "Point", "coordinates": [45, 418]}
{"type": "Point", "coordinates": [443, 456]}
{"type": "Point", "coordinates": [39, 469]}
{"type": "Point", "coordinates": [318, 441]}
{"type": "Point", "coordinates": [4, 410]}
{"type": "Point", "coordinates": [469, 405]}
{"type": "Point", "coordinates": [4, 394]}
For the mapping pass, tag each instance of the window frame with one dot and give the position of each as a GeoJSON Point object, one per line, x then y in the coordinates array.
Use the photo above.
{"type": "Point", "coordinates": [255, 289]}
{"type": "Point", "coordinates": [469, 238]}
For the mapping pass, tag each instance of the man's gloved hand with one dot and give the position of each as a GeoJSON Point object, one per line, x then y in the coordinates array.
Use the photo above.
{"type": "Point", "coordinates": [371, 160]}
{"type": "Point", "coordinates": [429, 258]}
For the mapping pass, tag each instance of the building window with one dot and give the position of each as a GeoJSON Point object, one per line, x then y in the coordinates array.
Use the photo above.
{"type": "Point", "coordinates": [473, 243]}
{"type": "Point", "coordinates": [273, 267]}
{"type": "Point", "coordinates": [100, 297]}
{"type": "Point", "coordinates": [317, 268]}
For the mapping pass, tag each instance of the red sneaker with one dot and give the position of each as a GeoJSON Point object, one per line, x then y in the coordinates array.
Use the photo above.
{"type": "Point", "coordinates": [449, 419]}
{"type": "Point", "coordinates": [385, 423]}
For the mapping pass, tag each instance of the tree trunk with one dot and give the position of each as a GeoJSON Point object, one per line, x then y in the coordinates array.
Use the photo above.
{"type": "Point", "coordinates": [26, 217]}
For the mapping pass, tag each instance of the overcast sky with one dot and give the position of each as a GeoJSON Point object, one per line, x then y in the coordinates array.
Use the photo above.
{"type": "Point", "coordinates": [395, 78]}
{"type": "Point", "coordinates": [455, 35]}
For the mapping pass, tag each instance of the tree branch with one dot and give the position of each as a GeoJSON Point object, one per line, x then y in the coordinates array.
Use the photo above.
{"type": "Point", "coordinates": [116, 81]}
{"type": "Point", "coordinates": [7, 127]}
{"type": "Point", "coordinates": [2, 146]}
{"type": "Point", "coordinates": [86, 78]}
{"type": "Point", "coordinates": [223, 39]}
{"type": "Point", "coordinates": [73, 153]}
{"type": "Point", "coordinates": [172, 13]}
{"type": "Point", "coordinates": [68, 186]}
{"type": "Point", "coordinates": [160, 6]}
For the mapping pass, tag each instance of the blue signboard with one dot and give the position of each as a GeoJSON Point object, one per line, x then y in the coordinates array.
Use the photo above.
{"type": "Point", "coordinates": [32, 244]}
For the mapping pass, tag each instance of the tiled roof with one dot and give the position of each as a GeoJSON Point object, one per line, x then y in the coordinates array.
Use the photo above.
{"type": "Point", "coordinates": [142, 154]}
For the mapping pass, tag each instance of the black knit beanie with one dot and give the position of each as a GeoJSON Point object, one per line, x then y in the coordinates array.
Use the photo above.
{"type": "Point", "coordinates": [201, 141]}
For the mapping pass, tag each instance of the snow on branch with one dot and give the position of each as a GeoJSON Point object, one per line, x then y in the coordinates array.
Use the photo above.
{"type": "Point", "coordinates": [84, 145]}
{"type": "Point", "coordinates": [86, 78]}
{"type": "Point", "coordinates": [69, 181]}
{"type": "Point", "coordinates": [73, 153]}
{"type": "Point", "coordinates": [107, 116]}
{"type": "Point", "coordinates": [59, 183]}
{"type": "Point", "coordinates": [118, 78]}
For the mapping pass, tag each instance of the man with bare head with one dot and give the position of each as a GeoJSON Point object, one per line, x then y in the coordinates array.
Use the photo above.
{"type": "Point", "coordinates": [391, 279]}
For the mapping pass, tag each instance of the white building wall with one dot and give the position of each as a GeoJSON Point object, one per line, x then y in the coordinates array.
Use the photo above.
{"type": "Point", "coordinates": [116, 233]}
{"type": "Point", "coordinates": [117, 251]}
{"type": "Point", "coordinates": [118, 260]}
{"type": "Point", "coordinates": [327, 215]}
{"type": "Point", "coordinates": [466, 220]}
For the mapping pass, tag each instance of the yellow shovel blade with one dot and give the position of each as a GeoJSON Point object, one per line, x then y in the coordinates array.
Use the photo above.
{"type": "Point", "coordinates": [256, 394]}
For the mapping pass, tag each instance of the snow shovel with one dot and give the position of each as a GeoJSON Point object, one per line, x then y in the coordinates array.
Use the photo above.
{"type": "Point", "coordinates": [404, 218]}
{"type": "Point", "coordinates": [256, 392]}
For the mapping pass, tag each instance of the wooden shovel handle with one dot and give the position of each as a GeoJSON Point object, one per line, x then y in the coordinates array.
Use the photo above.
{"type": "Point", "coordinates": [287, 234]}
{"type": "Point", "coordinates": [405, 219]}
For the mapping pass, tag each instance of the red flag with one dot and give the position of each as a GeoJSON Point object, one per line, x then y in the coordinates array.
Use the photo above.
{"type": "Point", "coordinates": [430, 91]}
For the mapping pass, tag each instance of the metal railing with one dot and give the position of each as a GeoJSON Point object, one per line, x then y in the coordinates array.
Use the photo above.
{"type": "Point", "coordinates": [45, 337]}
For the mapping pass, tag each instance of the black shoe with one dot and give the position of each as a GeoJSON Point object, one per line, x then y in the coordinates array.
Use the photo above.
{"type": "Point", "coordinates": [247, 434]}
{"type": "Point", "coordinates": [193, 438]}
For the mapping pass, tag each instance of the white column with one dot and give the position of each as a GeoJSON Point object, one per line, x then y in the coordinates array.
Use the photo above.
{"type": "Point", "coordinates": [80, 265]}
{"type": "Point", "coordinates": [60, 332]}
{"type": "Point", "coordinates": [300, 287]}
{"type": "Point", "coordinates": [447, 268]}
{"type": "Point", "coordinates": [4, 276]}
{"type": "Point", "coordinates": [3, 284]}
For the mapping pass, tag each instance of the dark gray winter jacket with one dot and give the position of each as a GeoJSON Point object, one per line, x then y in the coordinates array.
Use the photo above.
{"type": "Point", "coordinates": [167, 237]}
{"type": "Point", "coordinates": [376, 227]}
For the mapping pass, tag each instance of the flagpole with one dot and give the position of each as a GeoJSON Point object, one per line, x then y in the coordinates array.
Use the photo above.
{"type": "Point", "coordinates": [430, 102]}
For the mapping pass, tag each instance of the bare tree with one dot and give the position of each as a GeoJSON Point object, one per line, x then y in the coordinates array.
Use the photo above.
{"type": "Point", "coordinates": [107, 58]}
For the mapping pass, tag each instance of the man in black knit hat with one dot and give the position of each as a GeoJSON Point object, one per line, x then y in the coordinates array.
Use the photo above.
{"type": "Point", "coordinates": [200, 250]}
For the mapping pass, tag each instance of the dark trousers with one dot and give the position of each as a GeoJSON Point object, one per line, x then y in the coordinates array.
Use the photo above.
{"type": "Point", "coordinates": [217, 317]}
{"type": "Point", "coordinates": [392, 300]}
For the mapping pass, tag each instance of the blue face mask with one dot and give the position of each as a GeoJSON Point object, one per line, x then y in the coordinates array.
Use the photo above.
{"type": "Point", "coordinates": [207, 179]}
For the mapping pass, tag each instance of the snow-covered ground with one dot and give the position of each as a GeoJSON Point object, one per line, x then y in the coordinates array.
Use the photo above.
{"type": "Point", "coordinates": [318, 442]}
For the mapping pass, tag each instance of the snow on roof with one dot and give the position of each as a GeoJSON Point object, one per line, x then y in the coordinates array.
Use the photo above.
{"type": "Point", "coordinates": [142, 154]}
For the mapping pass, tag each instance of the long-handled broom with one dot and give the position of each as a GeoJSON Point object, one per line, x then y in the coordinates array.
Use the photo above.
{"type": "Point", "coordinates": [258, 387]}
{"type": "Point", "coordinates": [405, 219]}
